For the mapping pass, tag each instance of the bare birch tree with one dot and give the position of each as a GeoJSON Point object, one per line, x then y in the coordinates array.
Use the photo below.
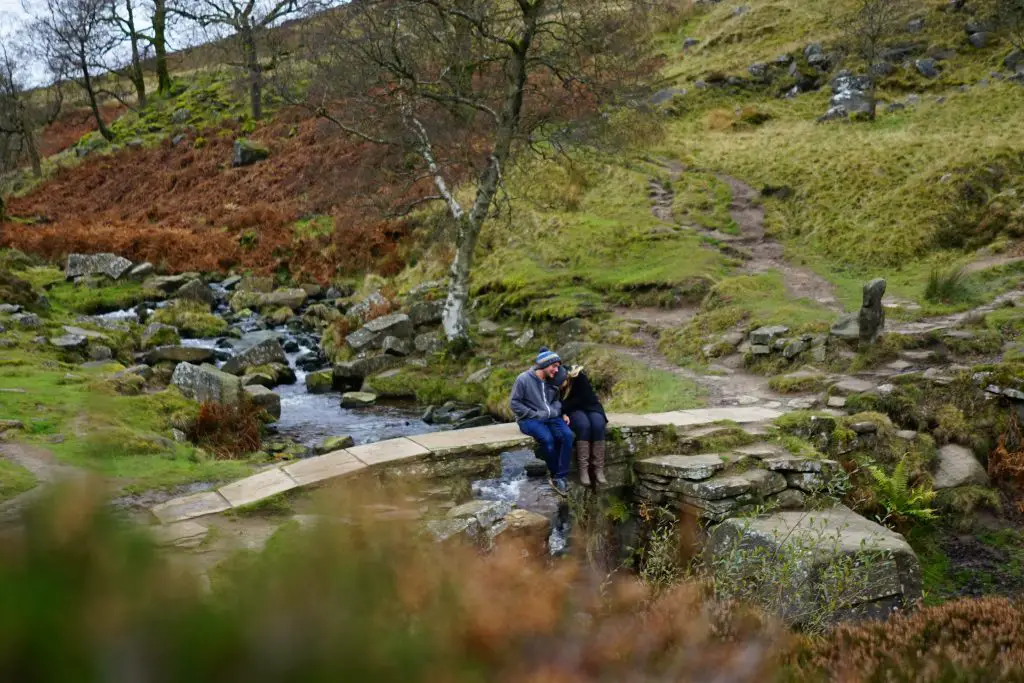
{"type": "Point", "coordinates": [464, 84]}
{"type": "Point", "coordinates": [868, 30]}
{"type": "Point", "coordinates": [20, 114]}
{"type": "Point", "coordinates": [247, 22]}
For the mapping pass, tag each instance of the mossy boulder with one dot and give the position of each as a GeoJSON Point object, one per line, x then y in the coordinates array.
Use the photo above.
{"type": "Point", "coordinates": [192, 319]}
{"type": "Point", "coordinates": [159, 334]}
{"type": "Point", "coordinates": [245, 152]}
{"type": "Point", "coordinates": [320, 382]}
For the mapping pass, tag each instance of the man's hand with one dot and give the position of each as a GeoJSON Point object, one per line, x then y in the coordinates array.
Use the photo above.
{"type": "Point", "coordinates": [566, 418]}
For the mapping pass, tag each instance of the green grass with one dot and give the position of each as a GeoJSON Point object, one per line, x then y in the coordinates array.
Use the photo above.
{"type": "Point", "coordinates": [629, 386]}
{"type": "Point", "coordinates": [193, 319]}
{"type": "Point", "coordinates": [14, 479]}
{"type": "Point", "coordinates": [66, 297]}
{"type": "Point", "coordinates": [702, 199]}
{"type": "Point", "coordinates": [582, 237]}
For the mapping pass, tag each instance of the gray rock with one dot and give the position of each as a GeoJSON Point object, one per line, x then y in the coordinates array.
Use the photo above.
{"type": "Point", "coordinates": [393, 325]}
{"type": "Point", "coordinates": [524, 340]}
{"type": "Point", "coordinates": [166, 283]}
{"type": "Point", "coordinates": [88, 334]}
{"type": "Point", "coordinates": [100, 353]}
{"type": "Point", "coordinates": [206, 383]}
{"type": "Point", "coordinates": [255, 283]}
{"type": "Point", "coordinates": [690, 42]}
{"type": "Point", "coordinates": [850, 96]}
{"type": "Point", "coordinates": [196, 290]}
{"type": "Point", "coordinates": [767, 335]}
{"type": "Point", "coordinates": [350, 374]}
{"type": "Point", "coordinates": [426, 313]}
{"type": "Point", "coordinates": [480, 376]}
{"type": "Point", "coordinates": [694, 467]}
{"type": "Point", "coordinates": [927, 67]}
{"type": "Point", "coordinates": [181, 116]}
{"type": "Point", "coordinates": [488, 328]}
{"type": "Point", "coordinates": [444, 530]}
{"type": "Point", "coordinates": [864, 428]}
{"type": "Point", "coordinates": [245, 153]}
{"type": "Point", "coordinates": [266, 352]}
{"type": "Point", "coordinates": [764, 483]}
{"type": "Point", "coordinates": [158, 334]}
{"type": "Point", "coordinates": [717, 487]}
{"type": "Point", "coordinates": [884, 574]}
{"type": "Point", "coordinates": [850, 386]}
{"type": "Point", "coordinates": [980, 39]}
{"type": "Point", "coordinates": [799, 463]}
{"type": "Point", "coordinates": [790, 499]}
{"type": "Point", "coordinates": [362, 339]}
{"type": "Point", "coordinates": [487, 513]}
{"type": "Point", "coordinates": [915, 25]}
{"type": "Point", "coordinates": [758, 71]}
{"type": "Point", "coordinates": [141, 271]}
{"type": "Point", "coordinates": [230, 283]}
{"type": "Point", "coordinates": [396, 347]}
{"type": "Point", "coordinates": [795, 347]}
{"type": "Point", "coordinates": [143, 371]}
{"type": "Point", "coordinates": [428, 342]}
{"type": "Point", "coordinates": [957, 466]}
{"type": "Point", "coordinates": [69, 342]}
{"type": "Point", "coordinates": [320, 382]}
{"type": "Point", "coordinates": [179, 354]}
{"type": "Point", "coordinates": [363, 308]}
{"type": "Point", "coordinates": [357, 399]}
{"type": "Point", "coordinates": [266, 399]}
{"type": "Point", "coordinates": [1013, 60]}
{"type": "Point", "coordinates": [871, 319]}
{"type": "Point", "coordinates": [111, 265]}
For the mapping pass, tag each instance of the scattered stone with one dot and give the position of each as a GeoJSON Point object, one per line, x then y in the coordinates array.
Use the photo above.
{"type": "Point", "coordinates": [395, 346]}
{"type": "Point", "coordinates": [979, 40]}
{"type": "Point", "coordinates": [27, 321]}
{"type": "Point", "coordinates": [357, 399]}
{"type": "Point", "coordinates": [334, 443]}
{"type": "Point", "coordinates": [179, 354]}
{"type": "Point", "coordinates": [864, 428]}
{"type": "Point", "coordinates": [906, 434]}
{"type": "Point", "coordinates": [809, 482]}
{"type": "Point", "coordinates": [69, 342]}
{"type": "Point", "coordinates": [836, 402]}
{"type": "Point", "coordinates": [158, 334]}
{"type": "Point", "coordinates": [480, 376]}
{"type": "Point", "coordinates": [444, 530]}
{"type": "Point", "coordinates": [488, 328]}
{"type": "Point", "coordinates": [426, 313]}
{"type": "Point", "coordinates": [690, 42]}
{"type": "Point", "coordinates": [957, 466]}
{"type": "Point", "coordinates": [206, 383]}
{"type": "Point", "coordinates": [6, 425]}
{"type": "Point", "coordinates": [850, 386]}
{"type": "Point", "coordinates": [245, 153]}
{"type": "Point", "coordinates": [81, 265]}
{"type": "Point", "coordinates": [196, 290]}
{"type": "Point", "coordinates": [791, 499]}
{"type": "Point", "coordinates": [266, 352]}
{"type": "Point", "coordinates": [100, 353]}
{"type": "Point", "coordinates": [1013, 60]}
{"type": "Point", "coordinates": [428, 342]}
{"type": "Point", "coordinates": [927, 67]}
{"type": "Point", "coordinates": [767, 335]}
{"type": "Point", "coordinates": [850, 97]}
{"type": "Point", "coordinates": [165, 283]}
{"type": "Point", "coordinates": [485, 512]}
{"type": "Point", "coordinates": [141, 271]}
{"type": "Point", "coordinates": [899, 366]}
{"type": "Point", "coordinates": [524, 340]}
{"type": "Point", "coordinates": [320, 382]}
{"type": "Point", "coordinates": [266, 399]}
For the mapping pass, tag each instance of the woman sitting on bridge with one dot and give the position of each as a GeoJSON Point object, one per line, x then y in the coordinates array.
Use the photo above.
{"type": "Point", "coordinates": [587, 420]}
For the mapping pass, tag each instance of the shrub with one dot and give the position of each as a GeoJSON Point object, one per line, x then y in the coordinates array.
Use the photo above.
{"type": "Point", "coordinates": [966, 640]}
{"type": "Point", "coordinates": [949, 286]}
{"type": "Point", "coordinates": [228, 431]}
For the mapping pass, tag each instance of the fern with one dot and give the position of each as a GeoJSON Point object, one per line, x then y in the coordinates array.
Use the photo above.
{"type": "Point", "coordinates": [902, 503]}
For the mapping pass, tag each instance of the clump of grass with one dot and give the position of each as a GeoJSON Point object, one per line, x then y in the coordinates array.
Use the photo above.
{"type": "Point", "coordinates": [14, 479]}
{"type": "Point", "coordinates": [192, 318]}
{"type": "Point", "coordinates": [948, 286]}
{"type": "Point", "coordinates": [796, 383]}
{"type": "Point", "coordinates": [626, 384]}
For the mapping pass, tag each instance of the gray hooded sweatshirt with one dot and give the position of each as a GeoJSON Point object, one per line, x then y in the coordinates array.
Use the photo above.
{"type": "Point", "coordinates": [534, 399]}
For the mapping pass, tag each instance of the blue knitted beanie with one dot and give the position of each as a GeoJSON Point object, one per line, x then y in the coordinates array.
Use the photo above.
{"type": "Point", "coordinates": [545, 358]}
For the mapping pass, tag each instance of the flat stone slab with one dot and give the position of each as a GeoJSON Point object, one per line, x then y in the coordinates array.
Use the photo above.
{"type": "Point", "coordinates": [257, 487]}
{"type": "Point", "coordinates": [693, 467]}
{"type": "Point", "coordinates": [629, 420]}
{"type": "Point", "coordinates": [687, 418]}
{"type": "Point", "coordinates": [388, 451]}
{"type": "Point", "coordinates": [180, 534]}
{"type": "Point", "coordinates": [716, 488]}
{"type": "Point", "coordinates": [798, 463]}
{"type": "Point", "coordinates": [851, 386]}
{"type": "Point", "coordinates": [760, 450]}
{"type": "Point", "coordinates": [491, 437]}
{"type": "Point", "coordinates": [323, 467]}
{"type": "Point", "coordinates": [190, 507]}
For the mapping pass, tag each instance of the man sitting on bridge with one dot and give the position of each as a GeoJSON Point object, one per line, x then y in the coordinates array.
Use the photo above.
{"type": "Point", "coordinates": [538, 410]}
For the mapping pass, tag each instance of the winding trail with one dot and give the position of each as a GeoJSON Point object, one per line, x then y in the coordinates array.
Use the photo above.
{"type": "Point", "coordinates": [726, 383]}
{"type": "Point", "coordinates": [44, 467]}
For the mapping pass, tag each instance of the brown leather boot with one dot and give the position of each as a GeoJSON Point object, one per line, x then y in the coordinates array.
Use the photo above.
{"type": "Point", "coordinates": [583, 458]}
{"type": "Point", "coordinates": [599, 463]}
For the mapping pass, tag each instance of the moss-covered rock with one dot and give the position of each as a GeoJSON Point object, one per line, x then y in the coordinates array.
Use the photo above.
{"type": "Point", "coordinates": [191, 318]}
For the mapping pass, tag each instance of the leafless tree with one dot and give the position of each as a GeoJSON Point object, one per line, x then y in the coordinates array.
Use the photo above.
{"type": "Point", "coordinates": [867, 30]}
{"type": "Point", "coordinates": [20, 114]}
{"type": "Point", "coordinates": [74, 37]}
{"type": "Point", "coordinates": [464, 84]}
{"type": "Point", "coordinates": [158, 22]}
{"type": "Point", "coordinates": [248, 23]}
{"type": "Point", "coordinates": [124, 15]}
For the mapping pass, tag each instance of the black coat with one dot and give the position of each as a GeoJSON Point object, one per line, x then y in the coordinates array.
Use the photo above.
{"type": "Point", "coordinates": [581, 396]}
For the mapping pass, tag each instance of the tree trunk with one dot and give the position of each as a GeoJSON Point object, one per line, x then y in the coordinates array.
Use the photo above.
{"type": "Point", "coordinates": [160, 46]}
{"type": "Point", "coordinates": [33, 149]}
{"type": "Point", "coordinates": [93, 104]}
{"type": "Point", "coordinates": [138, 78]}
{"type": "Point", "coordinates": [456, 328]}
{"type": "Point", "coordinates": [252, 63]}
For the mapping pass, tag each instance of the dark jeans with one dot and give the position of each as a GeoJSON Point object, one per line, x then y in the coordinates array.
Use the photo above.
{"type": "Point", "coordinates": [555, 440]}
{"type": "Point", "coordinates": [588, 425]}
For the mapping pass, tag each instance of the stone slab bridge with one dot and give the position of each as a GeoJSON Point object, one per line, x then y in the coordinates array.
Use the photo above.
{"type": "Point", "coordinates": [467, 452]}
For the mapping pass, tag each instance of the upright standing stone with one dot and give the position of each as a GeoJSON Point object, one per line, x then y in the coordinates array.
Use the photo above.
{"type": "Point", "coordinates": [872, 316]}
